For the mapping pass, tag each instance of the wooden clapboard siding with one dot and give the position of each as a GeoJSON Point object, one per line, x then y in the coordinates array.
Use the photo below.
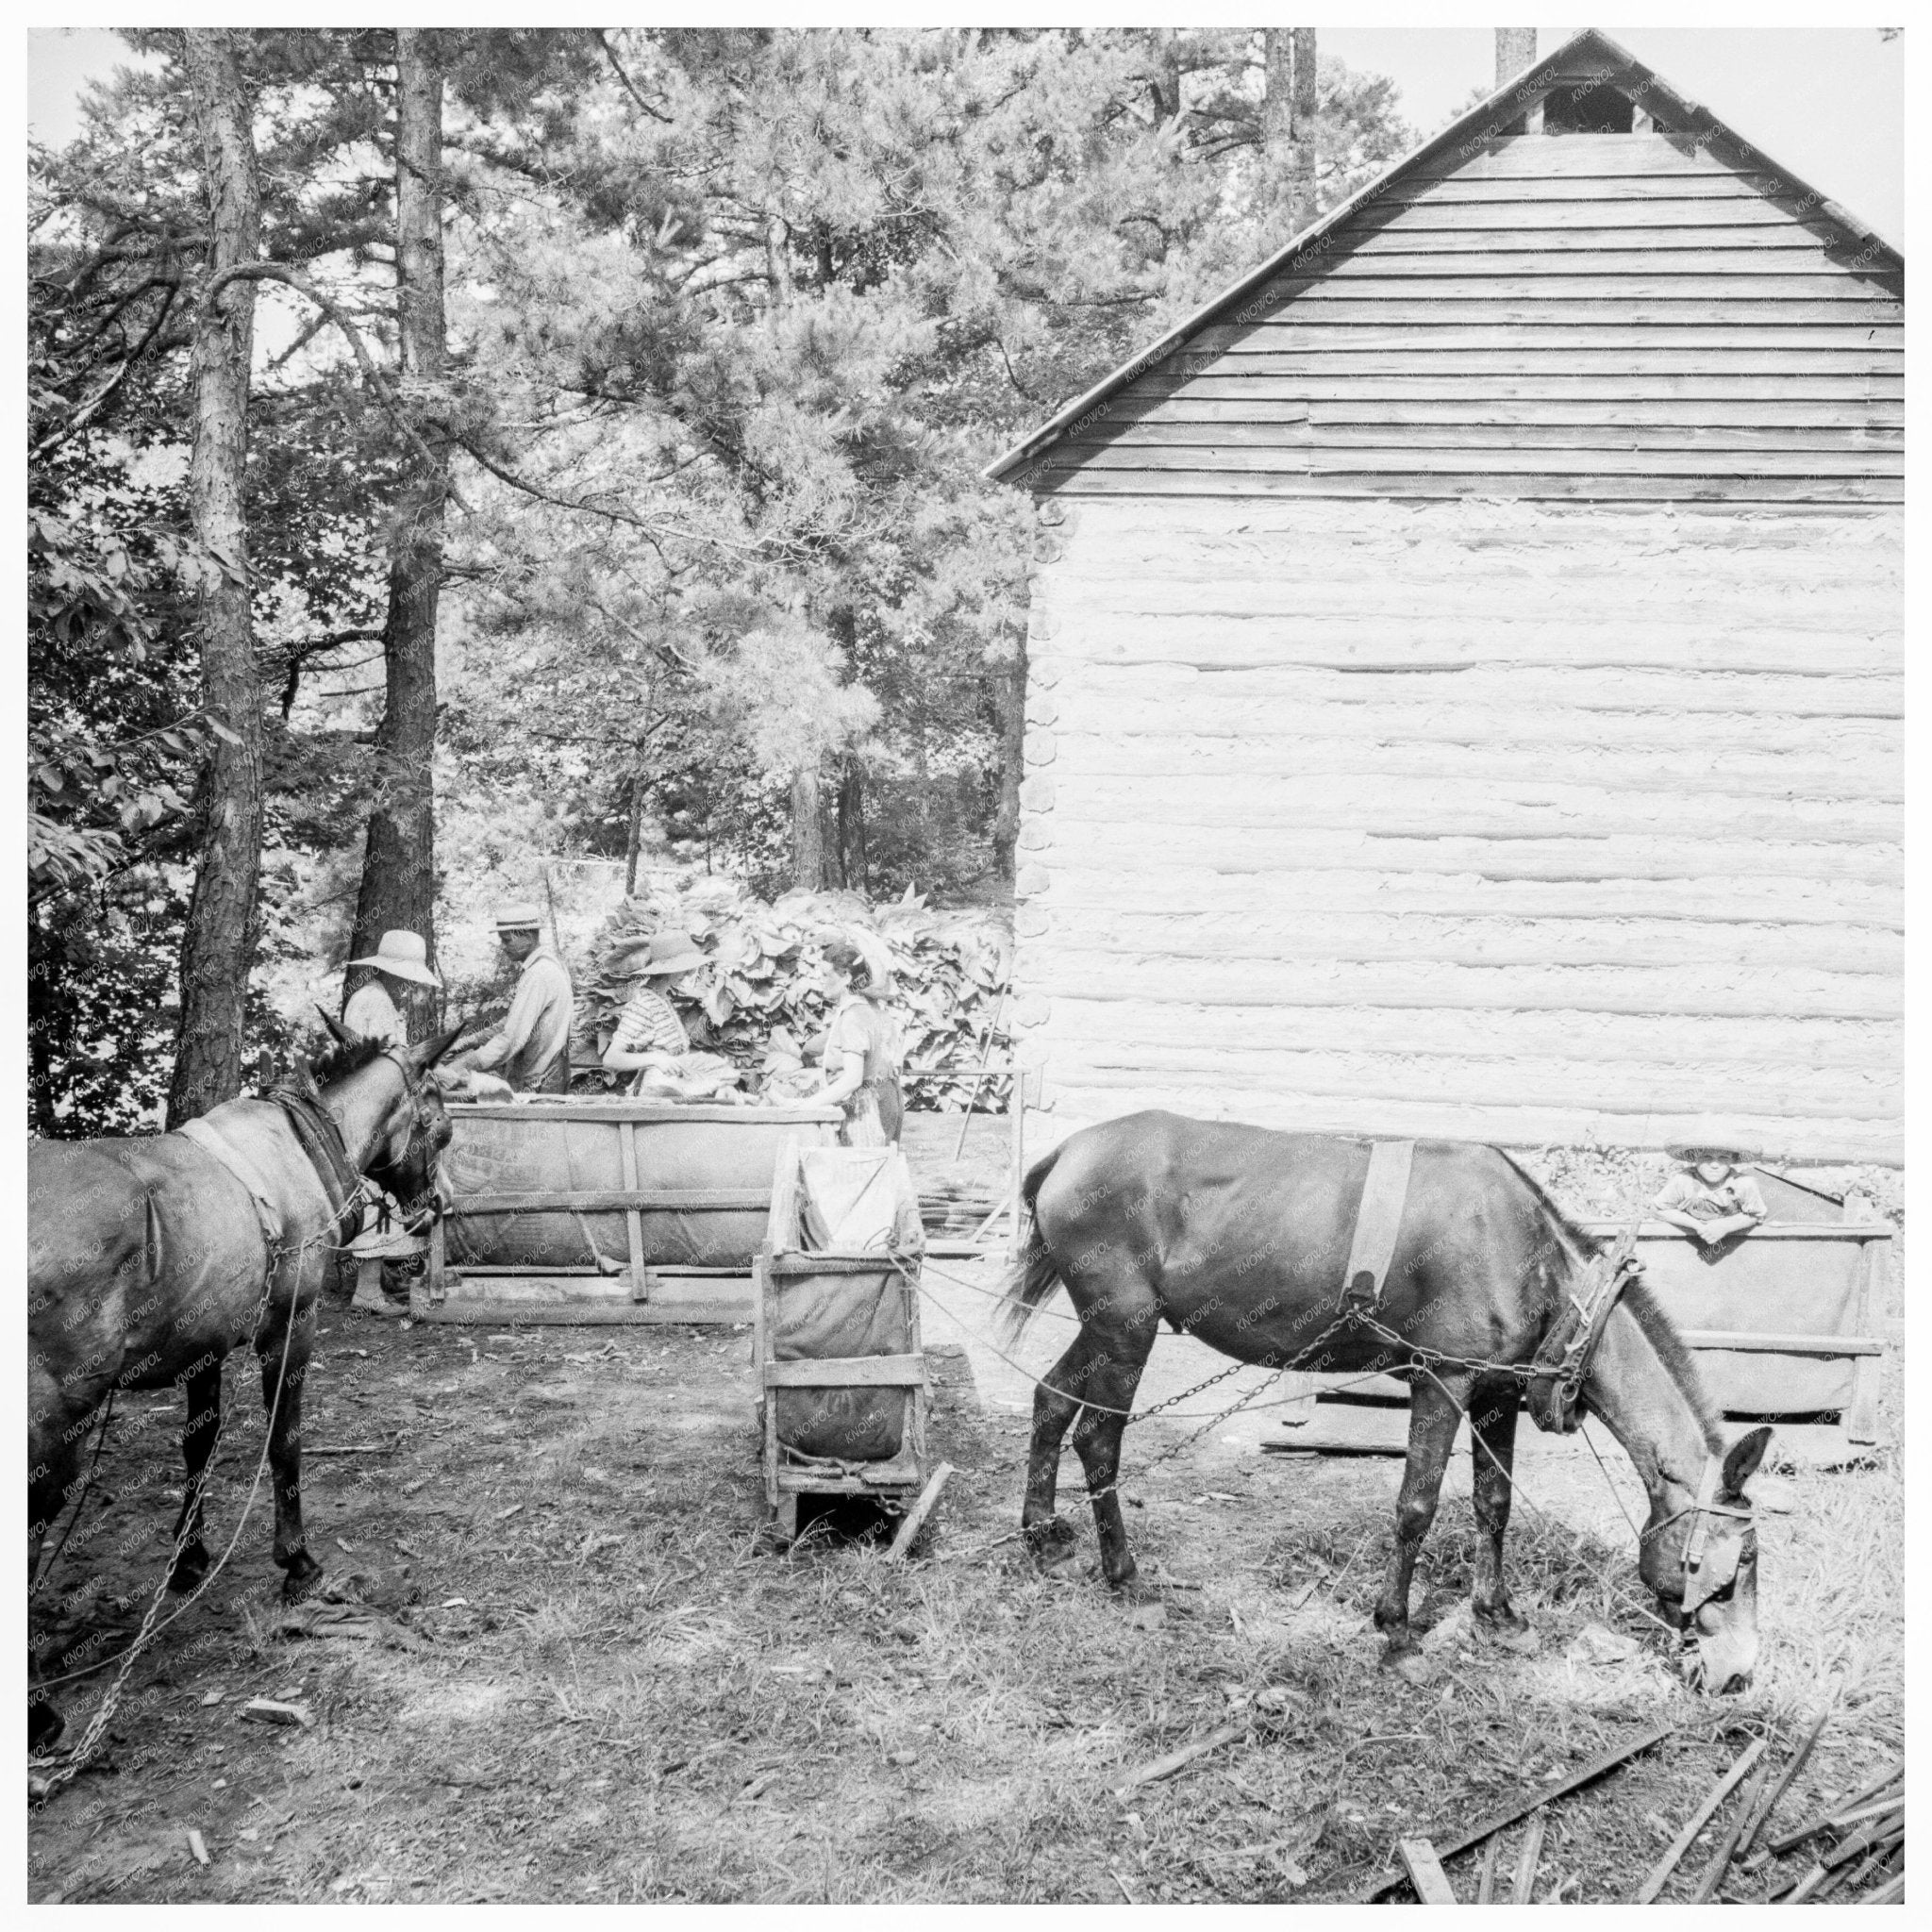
{"type": "Point", "coordinates": [1465, 666]}
{"type": "Point", "coordinates": [1606, 846]}
{"type": "Point", "coordinates": [1735, 346]}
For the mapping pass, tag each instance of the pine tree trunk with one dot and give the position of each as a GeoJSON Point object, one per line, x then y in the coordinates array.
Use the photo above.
{"type": "Point", "coordinates": [218, 948]}
{"type": "Point", "coordinates": [634, 842]}
{"type": "Point", "coordinates": [808, 831]}
{"type": "Point", "coordinates": [854, 866]}
{"type": "Point", "coordinates": [399, 860]}
{"type": "Point", "coordinates": [1277, 97]}
{"type": "Point", "coordinates": [1303, 130]}
{"type": "Point", "coordinates": [1010, 696]}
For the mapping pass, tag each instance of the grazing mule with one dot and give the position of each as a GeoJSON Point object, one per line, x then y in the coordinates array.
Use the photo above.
{"type": "Point", "coordinates": [1240, 1236]}
{"type": "Point", "coordinates": [150, 1259]}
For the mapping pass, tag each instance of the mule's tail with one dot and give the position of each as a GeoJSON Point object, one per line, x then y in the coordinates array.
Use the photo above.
{"type": "Point", "coordinates": [1037, 1273]}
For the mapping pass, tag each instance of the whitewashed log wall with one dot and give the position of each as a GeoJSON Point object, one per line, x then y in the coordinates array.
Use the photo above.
{"type": "Point", "coordinates": [1465, 672]}
{"type": "Point", "coordinates": [1516, 822]}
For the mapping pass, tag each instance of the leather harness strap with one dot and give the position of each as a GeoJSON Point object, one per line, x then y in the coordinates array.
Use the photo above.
{"type": "Point", "coordinates": [1552, 1395]}
{"type": "Point", "coordinates": [1377, 1221]}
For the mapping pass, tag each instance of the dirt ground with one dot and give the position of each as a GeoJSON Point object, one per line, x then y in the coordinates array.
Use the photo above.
{"type": "Point", "coordinates": [576, 1675]}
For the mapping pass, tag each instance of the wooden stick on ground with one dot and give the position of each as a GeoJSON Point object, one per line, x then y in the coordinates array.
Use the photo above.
{"type": "Point", "coordinates": [918, 1513]}
{"type": "Point", "coordinates": [1486, 1885]}
{"type": "Point", "coordinates": [1697, 1820]}
{"type": "Point", "coordinates": [1524, 1891]}
{"type": "Point", "coordinates": [1889, 1893]}
{"type": "Point", "coordinates": [1158, 1768]}
{"type": "Point", "coordinates": [1727, 1847]}
{"type": "Point", "coordinates": [1792, 1839]}
{"type": "Point", "coordinates": [1499, 1821]}
{"type": "Point", "coordinates": [1425, 1872]}
{"type": "Point", "coordinates": [1783, 1785]}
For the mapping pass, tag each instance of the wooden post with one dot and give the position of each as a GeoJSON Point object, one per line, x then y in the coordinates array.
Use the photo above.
{"type": "Point", "coordinates": [1861, 1413]}
{"type": "Point", "coordinates": [633, 1219]}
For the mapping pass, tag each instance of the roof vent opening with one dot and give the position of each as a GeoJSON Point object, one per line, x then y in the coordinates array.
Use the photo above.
{"type": "Point", "coordinates": [1592, 108]}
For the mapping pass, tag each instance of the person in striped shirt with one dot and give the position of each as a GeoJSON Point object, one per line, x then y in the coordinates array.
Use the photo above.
{"type": "Point", "coordinates": [650, 1037]}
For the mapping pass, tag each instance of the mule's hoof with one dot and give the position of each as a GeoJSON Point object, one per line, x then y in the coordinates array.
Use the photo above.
{"type": "Point", "coordinates": [303, 1579]}
{"type": "Point", "coordinates": [1051, 1544]}
{"type": "Point", "coordinates": [191, 1566]}
{"type": "Point", "coordinates": [44, 1723]}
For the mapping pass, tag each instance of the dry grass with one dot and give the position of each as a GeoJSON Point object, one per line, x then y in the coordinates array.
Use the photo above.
{"type": "Point", "coordinates": [633, 1702]}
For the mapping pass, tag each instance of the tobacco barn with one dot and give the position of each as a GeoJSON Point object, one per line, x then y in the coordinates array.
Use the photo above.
{"type": "Point", "coordinates": [1465, 686]}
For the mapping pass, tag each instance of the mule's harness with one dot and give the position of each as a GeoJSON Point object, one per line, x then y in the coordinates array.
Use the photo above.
{"type": "Point", "coordinates": [1553, 1380]}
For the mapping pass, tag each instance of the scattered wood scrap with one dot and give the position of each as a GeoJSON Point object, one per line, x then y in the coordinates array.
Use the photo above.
{"type": "Point", "coordinates": [266, 1710]}
{"type": "Point", "coordinates": [1534, 1800]}
{"type": "Point", "coordinates": [1707, 1810]}
{"type": "Point", "coordinates": [1425, 1872]}
{"type": "Point", "coordinates": [1158, 1768]}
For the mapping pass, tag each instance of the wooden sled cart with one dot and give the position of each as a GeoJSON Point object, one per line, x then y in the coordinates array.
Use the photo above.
{"type": "Point", "coordinates": [842, 1386]}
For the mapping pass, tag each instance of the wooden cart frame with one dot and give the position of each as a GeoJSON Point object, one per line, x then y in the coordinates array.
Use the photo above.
{"type": "Point", "coordinates": [641, 1292]}
{"type": "Point", "coordinates": [781, 1263]}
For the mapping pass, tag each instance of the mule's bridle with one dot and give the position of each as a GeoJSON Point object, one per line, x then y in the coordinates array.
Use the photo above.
{"type": "Point", "coordinates": [1701, 1585]}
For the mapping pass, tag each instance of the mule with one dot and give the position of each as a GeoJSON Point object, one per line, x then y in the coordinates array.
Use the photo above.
{"type": "Point", "coordinates": [150, 1259]}
{"type": "Point", "coordinates": [1240, 1236]}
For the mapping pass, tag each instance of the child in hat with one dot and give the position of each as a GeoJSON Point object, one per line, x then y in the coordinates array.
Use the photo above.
{"type": "Point", "coordinates": [650, 1038]}
{"type": "Point", "coordinates": [1710, 1197]}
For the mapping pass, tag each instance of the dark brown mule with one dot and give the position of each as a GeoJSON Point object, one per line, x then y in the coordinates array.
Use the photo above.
{"type": "Point", "coordinates": [148, 1262]}
{"type": "Point", "coordinates": [1240, 1236]}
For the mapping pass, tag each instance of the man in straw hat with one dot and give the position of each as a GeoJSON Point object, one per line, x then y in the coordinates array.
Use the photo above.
{"type": "Point", "coordinates": [372, 1011]}
{"type": "Point", "coordinates": [650, 1040]}
{"type": "Point", "coordinates": [532, 1046]}
{"type": "Point", "coordinates": [1710, 1197]}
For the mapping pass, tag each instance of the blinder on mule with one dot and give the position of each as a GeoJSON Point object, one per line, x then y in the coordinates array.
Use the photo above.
{"type": "Point", "coordinates": [1555, 1391]}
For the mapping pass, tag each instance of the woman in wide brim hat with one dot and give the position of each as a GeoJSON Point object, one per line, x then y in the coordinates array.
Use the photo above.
{"type": "Point", "coordinates": [371, 1010]}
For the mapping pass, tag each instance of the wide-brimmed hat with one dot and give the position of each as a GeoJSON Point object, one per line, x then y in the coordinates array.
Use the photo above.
{"type": "Point", "coordinates": [662, 952]}
{"type": "Point", "coordinates": [1694, 1156]}
{"type": "Point", "coordinates": [519, 916]}
{"type": "Point", "coordinates": [403, 954]}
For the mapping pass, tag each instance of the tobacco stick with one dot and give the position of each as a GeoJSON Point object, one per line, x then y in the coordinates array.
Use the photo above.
{"type": "Point", "coordinates": [1661, 1871]}
{"type": "Point", "coordinates": [1728, 1848]}
{"type": "Point", "coordinates": [1524, 1891]}
{"type": "Point", "coordinates": [1499, 1821]}
{"type": "Point", "coordinates": [1783, 1785]}
{"type": "Point", "coordinates": [1425, 1872]}
{"type": "Point", "coordinates": [1792, 1839]}
{"type": "Point", "coordinates": [1486, 1883]}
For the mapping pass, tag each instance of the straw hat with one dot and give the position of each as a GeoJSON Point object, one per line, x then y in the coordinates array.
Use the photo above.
{"type": "Point", "coordinates": [404, 955]}
{"type": "Point", "coordinates": [663, 953]}
{"type": "Point", "coordinates": [519, 916]}
{"type": "Point", "coordinates": [1694, 1156]}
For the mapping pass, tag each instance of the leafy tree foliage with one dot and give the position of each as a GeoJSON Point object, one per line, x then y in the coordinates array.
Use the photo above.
{"type": "Point", "coordinates": [735, 318]}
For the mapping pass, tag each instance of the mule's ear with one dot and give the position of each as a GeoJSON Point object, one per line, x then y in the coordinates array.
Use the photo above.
{"type": "Point", "coordinates": [433, 1050]}
{"type": "Point", "coordinates": [340, 1034]}
{"type": "Point", "coordinates": [302, 1077]}
{"type": "Point", "coordinates": [1743, 1457]}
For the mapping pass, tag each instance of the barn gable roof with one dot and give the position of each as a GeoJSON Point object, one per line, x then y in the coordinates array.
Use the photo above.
{"type": "Point", "coordinates": [1590, 57]}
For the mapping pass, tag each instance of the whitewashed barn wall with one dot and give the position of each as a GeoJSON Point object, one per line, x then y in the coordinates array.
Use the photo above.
{"type": "Point", "coordinates": [1509, 820]}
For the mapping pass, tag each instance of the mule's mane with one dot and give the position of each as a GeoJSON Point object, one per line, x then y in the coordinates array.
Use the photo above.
{"type": "Point", "coordinates": [1663, 1337]}
{"type": "Point", "coordinates": [344, 1061]}
{"type": "Point", "coordinates": [1642, 1303]}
